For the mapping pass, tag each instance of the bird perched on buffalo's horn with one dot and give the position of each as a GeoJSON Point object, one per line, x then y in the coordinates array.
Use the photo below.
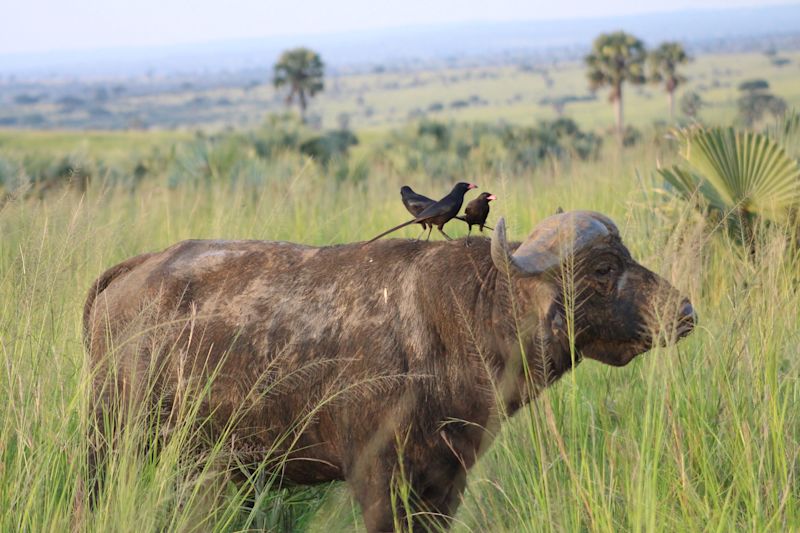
{"type": "Point", "coordinates": [476, 212]}
{"type": "Point", "coordinates": [439, 213]}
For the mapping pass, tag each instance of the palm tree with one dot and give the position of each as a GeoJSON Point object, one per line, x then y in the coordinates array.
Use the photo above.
{"type": "Point", "coordinates": [616, 58]}
{"type": "Point", "coordinates": [664, 62]}
{"type": "Point", "coordinates": [302, 70]}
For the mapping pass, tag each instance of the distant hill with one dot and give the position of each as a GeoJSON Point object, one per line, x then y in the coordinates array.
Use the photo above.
{"type": "Point", "coordinates": [419, 45]}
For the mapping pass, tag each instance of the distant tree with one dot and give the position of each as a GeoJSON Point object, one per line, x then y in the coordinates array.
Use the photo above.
{"type": "Point", "coordinates": [343, 120]}
{"type": "Point", "coordinates": [754, 85]}
{"type": "Point", "coordinates": [691, 103]}
{"type": "Point", "coordinates": [616, 58]}
{"type": "Point", "coordinates": [664, 62]}
{"type": "Point", "coordinates": [757, 100]}
{"type": "Point", "coordinates": [302, 71]}
{"type": "Point", "coordinates": [27, 99]}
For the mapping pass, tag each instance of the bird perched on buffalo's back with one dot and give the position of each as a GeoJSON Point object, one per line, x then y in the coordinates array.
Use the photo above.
{"type": "Point", "coordinates": [476, 212]}
{"type": "Point", "coordinates": [415, 203]}
{"type": "Point", "coordinates": [437, 214]}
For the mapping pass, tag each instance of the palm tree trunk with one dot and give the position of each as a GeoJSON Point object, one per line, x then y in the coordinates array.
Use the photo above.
{"type": "Point", "coordinates": [303, 105]}
{"type": "Point", "coordinates": [618, 113]}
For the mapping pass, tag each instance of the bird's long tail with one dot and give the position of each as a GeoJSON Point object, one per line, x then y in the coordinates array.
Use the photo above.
{"type": "Point", "coordinates": [463, 219]}
{"type": "Point", "coordinates": [388, 231]}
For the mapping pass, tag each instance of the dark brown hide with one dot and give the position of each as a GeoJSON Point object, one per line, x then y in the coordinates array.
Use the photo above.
{"type": "Point", "coordinates": [331, 357]}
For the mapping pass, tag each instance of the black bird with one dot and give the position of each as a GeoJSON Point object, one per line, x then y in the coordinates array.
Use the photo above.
{"type": "Point", "coordinates": [476, 212]}
{"type": "Point", "coordinates": [415, 203]}
{"type": "Point", "coordinates": [437, 214]}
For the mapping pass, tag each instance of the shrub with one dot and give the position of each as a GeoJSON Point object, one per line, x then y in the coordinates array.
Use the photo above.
{"type": "Point", "coordinates": [324, 148]}
{"type": "Point", "coordinates": [741, 176]}
{"type": "Point", "coordinates": [690, 104]}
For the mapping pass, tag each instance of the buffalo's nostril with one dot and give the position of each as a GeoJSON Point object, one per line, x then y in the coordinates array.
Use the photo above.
{"type": "Point", "coordinates": [687, 318]}
{"type": "Point", "coordinates": [687, 311]}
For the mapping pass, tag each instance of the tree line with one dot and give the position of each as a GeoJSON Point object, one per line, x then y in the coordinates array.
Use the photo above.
{"type": "Point", "coordinates": [616, 59]}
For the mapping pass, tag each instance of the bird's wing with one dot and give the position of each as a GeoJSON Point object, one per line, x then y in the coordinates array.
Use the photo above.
{"type": "Point", "coordinates": [416, 203]}
{"type": "Point", "coordinates": [436, 209]}
{"type": "Point", "coordinates": [416, 206]}
{"type": "Point", "coordinates": [472, 209]}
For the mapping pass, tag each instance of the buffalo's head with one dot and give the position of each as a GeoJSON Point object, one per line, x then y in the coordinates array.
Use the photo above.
{"type": "Point", "coordinates": [576, 261]}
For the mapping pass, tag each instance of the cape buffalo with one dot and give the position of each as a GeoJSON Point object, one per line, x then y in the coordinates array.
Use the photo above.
{"type": "Point", "coordinates": [371, 363]}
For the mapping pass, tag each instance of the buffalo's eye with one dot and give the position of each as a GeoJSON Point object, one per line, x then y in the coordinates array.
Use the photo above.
{"type": "Point", "coordinates": [603, 270]}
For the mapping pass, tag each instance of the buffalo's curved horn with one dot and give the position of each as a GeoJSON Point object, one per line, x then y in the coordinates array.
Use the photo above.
{"type": "Point", "coordinates": [551, 241]}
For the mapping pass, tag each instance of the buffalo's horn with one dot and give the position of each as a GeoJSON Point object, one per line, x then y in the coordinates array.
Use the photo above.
{"type": "Point", "coordinates": [551, 241]}
{"type": "Point", "coordinates": [501, 255]}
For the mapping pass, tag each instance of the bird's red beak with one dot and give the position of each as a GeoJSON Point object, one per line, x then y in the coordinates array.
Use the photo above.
{"type": "Point", "coordinates": [491, 197]}
{"type": "Point", "coordinates": [472, 186]}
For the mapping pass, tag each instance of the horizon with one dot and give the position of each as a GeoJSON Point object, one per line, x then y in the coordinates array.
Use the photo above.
{"type": "Point", "coordinates": [16, 37]}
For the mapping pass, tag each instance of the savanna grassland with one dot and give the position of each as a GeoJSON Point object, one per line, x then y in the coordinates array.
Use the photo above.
{"type": "Point", "coordinates": [702, 436]}
{"type": "Point", "coordinates": [377, 101]}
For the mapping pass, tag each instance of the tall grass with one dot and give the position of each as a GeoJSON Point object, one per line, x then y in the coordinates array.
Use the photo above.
{"type": "Point", "coordinates": [702, 436]}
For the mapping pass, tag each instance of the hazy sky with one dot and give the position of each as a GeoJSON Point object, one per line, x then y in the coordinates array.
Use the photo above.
{"type": "Point", "coordinates": [42, 25]}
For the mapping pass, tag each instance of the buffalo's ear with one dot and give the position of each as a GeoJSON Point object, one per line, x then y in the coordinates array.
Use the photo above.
{"type": "Point", "coordinates": [555, 332]}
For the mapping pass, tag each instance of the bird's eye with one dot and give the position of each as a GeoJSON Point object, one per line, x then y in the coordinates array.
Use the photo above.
{"type": "Point", "coordinates": [603, 270]}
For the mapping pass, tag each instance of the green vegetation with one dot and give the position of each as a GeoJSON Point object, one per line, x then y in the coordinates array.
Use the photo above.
{"type": "Point", "coordinates": [691, 104]}
{"type": "Point", "coordinates": [440, 150]}
{"type": "Point", "coordinates": [756, 101]}
{"type": "Point", "coordinates": [702, 436]}
{"type": "Point", "coordinates": [741, 176]}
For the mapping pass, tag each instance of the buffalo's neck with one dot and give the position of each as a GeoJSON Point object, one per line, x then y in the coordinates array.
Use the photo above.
{"type": "Point", "coordinates": [528, 348]}
{"type": "Point", "coordinates": [478, 322]}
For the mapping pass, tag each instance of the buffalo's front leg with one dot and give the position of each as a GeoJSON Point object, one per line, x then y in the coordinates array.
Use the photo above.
{"type": "Point", "coordinates": [374, 496]}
